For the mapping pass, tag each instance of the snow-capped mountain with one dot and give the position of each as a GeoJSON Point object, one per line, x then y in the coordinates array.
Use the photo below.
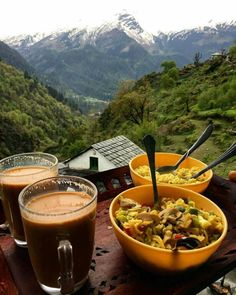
{"type": "Point", "coordinates": [92, 60]}
{"type": "Point", "coordinates": [128, 24]}
{"type": "Point", "coordinates": [204, 39]}
{"type": "Point", "coordinates": [87, 35]}
{"type": "Point", "coordinates": [24, 40]}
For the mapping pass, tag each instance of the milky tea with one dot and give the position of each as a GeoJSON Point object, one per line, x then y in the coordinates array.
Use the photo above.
{"type": "Point", "coordinates": [59, 222]}
{"type": "Point", "coordinates": [16, 172]}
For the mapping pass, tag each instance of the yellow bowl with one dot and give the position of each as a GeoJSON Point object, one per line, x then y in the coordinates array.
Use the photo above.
{"type": "Point", "coordinates": [163, 159]}
{"type": "Point", "coordinates": [156, 259]}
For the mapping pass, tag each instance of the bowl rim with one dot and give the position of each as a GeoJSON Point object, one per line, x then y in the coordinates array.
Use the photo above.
{"type": "Point", "coordinates": [189, 251]}
{"type": "Point", "coordinates": [180, 185]}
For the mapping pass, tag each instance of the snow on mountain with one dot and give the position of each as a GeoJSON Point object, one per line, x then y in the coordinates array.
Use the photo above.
{"type": "Point", "coordinates": [217, 24]}
{"type": "Point", "coordinates": [124, 22]}
{"type": "Point", "coordinates": [132, 28]}
{"type": "Point", "coordinates": [210, 27]}
{"type": "Point", "coordinates": [24, 40]}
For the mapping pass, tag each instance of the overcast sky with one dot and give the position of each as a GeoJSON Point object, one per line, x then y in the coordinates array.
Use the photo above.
{"type": "Point", "coordinates": [30, 16]}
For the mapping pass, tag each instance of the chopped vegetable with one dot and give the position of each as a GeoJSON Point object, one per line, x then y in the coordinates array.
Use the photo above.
{"type": "Point", "coordinates": [176, 220]}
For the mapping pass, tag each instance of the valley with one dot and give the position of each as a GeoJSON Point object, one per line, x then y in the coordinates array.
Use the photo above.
{"type": "Point", "coordinates": [93, 61]}
{"type": "Point", "coordinates": [62, 92]}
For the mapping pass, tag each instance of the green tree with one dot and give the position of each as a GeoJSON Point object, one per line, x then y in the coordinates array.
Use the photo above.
{"type": "Point", "coordinates": [197, 58]}
{"type": "Point", "coordinates": [124, 87]}
{"type": "Point", "coordinates": [167, 65]}
{"type": "Point", "coordinates": [174, 73]}
{"type": "Point", "coordinates": [232, 52]}
{"type": "Point", "coordinates": [106, 117]}
{"type": "Point", "coordinates": [26, 75]}
{"type": "Point", "coordinates": [134, 107]}
{"type": "Point", "coordinates": [166, 81]}
{"type": "Point", "coordinates": [183, 97]}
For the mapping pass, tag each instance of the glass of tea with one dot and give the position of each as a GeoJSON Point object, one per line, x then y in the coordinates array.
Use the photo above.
{"type": "Point", "coordinates": [59, 221]}
{"type": "Point", "coordinates": [16, 172]}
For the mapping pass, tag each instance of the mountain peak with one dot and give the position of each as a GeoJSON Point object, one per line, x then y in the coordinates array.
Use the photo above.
{"type": "Point", "coordinates": [25, 40]}
{"type": "Point", "coordinates": [128, 21]}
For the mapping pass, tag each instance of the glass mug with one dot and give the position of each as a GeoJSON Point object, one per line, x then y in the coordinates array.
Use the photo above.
{"type": "Point", "coordinates": [16, 172]}
{"type": "Point", "coordinates": [59, 221]}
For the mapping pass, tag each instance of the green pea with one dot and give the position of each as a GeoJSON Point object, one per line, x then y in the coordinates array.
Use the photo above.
{"type": "Point", "coordinates": [193, 211]}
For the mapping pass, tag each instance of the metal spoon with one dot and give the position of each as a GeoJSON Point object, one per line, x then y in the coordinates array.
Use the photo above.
{"type": "Point", "coordinates": [202, 138]}
{"type": "Point", "coordinates": [230, 152]}
{"type": "Point", "coordinates": [149, 143]}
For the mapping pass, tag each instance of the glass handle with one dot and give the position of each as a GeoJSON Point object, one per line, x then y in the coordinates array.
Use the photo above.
{"type": "Point", "coordinates": [4, 229]}
{"type": "Point", "coordinates": [4, 226]}
{"type": "Point", "coordinates": [65, 256]}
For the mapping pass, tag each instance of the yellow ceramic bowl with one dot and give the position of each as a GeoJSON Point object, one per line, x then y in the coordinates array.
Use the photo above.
{"type": "Point", "coordinates": [162, 260]}
{"type": "Point", "coordinates": [163, 159]}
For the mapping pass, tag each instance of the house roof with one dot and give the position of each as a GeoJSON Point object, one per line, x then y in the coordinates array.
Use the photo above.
{"type": "Point", "coordinates": [118, 150]}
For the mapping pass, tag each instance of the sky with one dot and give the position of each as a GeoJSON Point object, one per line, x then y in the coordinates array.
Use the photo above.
{"type": "Point", "coordinates": [31, 16]}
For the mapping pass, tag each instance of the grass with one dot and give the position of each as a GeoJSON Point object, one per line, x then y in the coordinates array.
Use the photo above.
{"type": "Point", "coordinates": [208, 151]}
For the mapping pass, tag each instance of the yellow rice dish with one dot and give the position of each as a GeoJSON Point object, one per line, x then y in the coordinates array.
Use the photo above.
{"type": "Point", "coordinates": [176, 219]}
{"type": "Point", "coordinates": [179, 176]}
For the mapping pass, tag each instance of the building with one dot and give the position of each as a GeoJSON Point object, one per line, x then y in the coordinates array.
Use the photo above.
{"type": "Point", "coordinates": [105, 155]}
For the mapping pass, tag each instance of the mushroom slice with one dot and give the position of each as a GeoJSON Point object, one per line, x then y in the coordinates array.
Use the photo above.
{"type": "Point", "coordinates": [126, 203]}
{"type": "Point", "coordinates": [171, 214]}
{"type": "Point", "coordinates": [146, 216]}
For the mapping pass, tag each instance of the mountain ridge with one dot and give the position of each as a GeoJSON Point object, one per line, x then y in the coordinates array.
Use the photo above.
{"type": "Point", "coordinates": [123, 21]}
{"type": "Point", "coordinates": [14, 58]}
{"type": "Point", "coordinates": [93, 61]}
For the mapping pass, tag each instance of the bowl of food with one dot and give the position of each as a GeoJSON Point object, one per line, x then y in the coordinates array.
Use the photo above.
{"type": "Point", "coordinates": [140, 172]}
{"type": "Point", "coordinates": [179, 235]}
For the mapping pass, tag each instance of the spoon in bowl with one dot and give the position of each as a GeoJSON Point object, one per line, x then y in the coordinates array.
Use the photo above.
{"type": "Point", "coordinates": [149, 144]}
{"type": "Point", "coordinates": [202, 138]}
{"type": "Point", "coordinates": [230, 152]}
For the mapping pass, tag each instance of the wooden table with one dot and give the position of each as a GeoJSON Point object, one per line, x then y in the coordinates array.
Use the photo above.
{"type": "Point", "coordinates": [111, 271]}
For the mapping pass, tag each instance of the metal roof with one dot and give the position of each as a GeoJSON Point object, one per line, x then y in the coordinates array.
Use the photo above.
{"type": "Point", "coordinates": [118, 150]}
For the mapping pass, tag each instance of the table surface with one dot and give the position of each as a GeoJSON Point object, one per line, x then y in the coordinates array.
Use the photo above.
{"type": "Point", "coordinates": [111, 271]}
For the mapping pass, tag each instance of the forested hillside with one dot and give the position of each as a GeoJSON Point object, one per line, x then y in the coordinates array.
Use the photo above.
{"type": "Point", "coordinates": [12, 57]}
{"type": "Point", "coordinates": [30, 118]}
{"type": "Point", "coordinates": [176, 105]}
